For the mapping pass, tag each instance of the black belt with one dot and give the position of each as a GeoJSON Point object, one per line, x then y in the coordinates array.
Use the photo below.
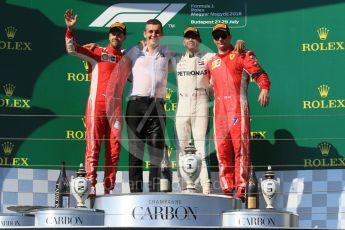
{"type": "Point", "coordinates": [145, 99]}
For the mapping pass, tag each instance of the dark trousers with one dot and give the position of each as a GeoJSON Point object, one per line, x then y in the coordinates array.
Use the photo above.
{"type": "Point", "coordinates": [145, 119]}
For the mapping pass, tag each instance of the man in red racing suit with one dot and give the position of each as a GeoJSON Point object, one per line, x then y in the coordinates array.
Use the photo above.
{"type": "Point", "coordinates": [230, 72]}
{"type": "Point", "coordinates": [108, 71]}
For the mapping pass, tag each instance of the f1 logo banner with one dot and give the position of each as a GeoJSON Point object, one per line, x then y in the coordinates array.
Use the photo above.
{"type": "Point", "coordinates": [134, 12]}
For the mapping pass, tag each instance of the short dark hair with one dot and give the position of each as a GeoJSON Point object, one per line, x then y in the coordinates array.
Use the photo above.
{"type": "Point", "coordinates": [154, 21]}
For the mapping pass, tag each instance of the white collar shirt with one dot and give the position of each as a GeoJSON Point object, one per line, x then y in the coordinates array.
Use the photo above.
{"type": "Point", "coordinates": [149, 72]}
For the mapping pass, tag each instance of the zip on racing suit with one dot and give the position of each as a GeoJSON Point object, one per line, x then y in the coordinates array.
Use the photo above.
{"type": "Point", "coordinates": [108, 71]}
{"type": "Point", "coordinates": [192, 114]}
{"type": "Point", "coordinates": [230, 75]}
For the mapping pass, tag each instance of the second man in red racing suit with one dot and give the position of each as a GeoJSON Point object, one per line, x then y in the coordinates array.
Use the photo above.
{"type": "Point", "coordinates": [230, 72]}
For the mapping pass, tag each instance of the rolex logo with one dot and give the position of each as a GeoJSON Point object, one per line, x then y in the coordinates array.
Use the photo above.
{"type": "Point", "coordinates": [322, 45]}
{"type": "Point", "coordinates": [86, 65]}
{"type": "Point", "coordinates": [323, 90]}
{"type": "Point", "coordinates": [323, 33]}
{"type": "Point", "coordinates": [9, 89]}
{"type": "Point", "coordinates": [169, 94]}
{"type": "Point", "coordinates": [77, 134]}
{"type": "Point", "coordinates": [325, 148]}
{"type": "Point", "coordinates": [7, 147]}
{"type": "Point", "coordinates": [12, 44]}
{"type": "Point", "coordinates": [10, 32]}
{"type": "Point", "coordinates": [324, 102]}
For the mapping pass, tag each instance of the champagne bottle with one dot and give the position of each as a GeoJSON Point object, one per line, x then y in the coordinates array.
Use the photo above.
{"type": "Point", "coordinates": [252, 195]}
{"type": "Point", "coordinates": [166, 173]}
{"type": "Point", "coordinates": [62, 189]}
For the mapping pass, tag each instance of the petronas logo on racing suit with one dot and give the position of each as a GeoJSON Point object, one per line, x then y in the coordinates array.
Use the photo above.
{"type": "Point", "coordinates": [192, 73]}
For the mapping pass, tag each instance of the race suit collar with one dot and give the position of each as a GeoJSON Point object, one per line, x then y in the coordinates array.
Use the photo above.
{"type": "Point", "coordinates": [191, 55]}
{"type": "Point", "coordinates": [111, 50]}
{"type": "Point", "coordinates": [226, 53]}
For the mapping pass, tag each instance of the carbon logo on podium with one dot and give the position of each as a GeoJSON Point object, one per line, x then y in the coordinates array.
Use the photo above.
{"type": "Point", "coordinates": [324, 103]}
{"type": "Point", "coordinates": [8, 160]}
{"type": "Point", "coordinates": [323, 45]}
{"type": "Point", "coordinates": [79, 77]}
{"type": "Point", "coordinates": [11, 44]}
{"type": "Point", "coordinates": [326, 161]}
{"type": "Point", "coordinates": [8, 101]}
{"type": "Point", "coordinates": [137, 12]}
{"type": "Point", "coordinates": [165, 210]}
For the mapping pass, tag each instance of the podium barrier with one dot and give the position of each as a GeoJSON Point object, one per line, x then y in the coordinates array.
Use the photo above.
{"type": "Point", "coordinates": [164, 210]}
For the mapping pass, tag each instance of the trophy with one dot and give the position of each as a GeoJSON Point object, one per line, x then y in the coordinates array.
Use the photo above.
{"type": "Point", "coordinates": [190, 166]}
{"type": "Point", "coordinates": [80, 187]}
{"type": "Point", "coordinates": [269, 187]}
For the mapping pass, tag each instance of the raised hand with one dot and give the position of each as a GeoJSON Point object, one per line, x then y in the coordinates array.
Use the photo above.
{"type": "Point", "coordinates": [70, 18]}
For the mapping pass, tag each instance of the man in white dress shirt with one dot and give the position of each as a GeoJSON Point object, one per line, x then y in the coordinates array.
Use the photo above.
{"type": "Point", "coordinates": [145, 113]}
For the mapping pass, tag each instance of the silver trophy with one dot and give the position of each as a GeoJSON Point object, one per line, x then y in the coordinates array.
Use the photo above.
{"type": "Point", "coordinates": [190, 167]}
{"type": "Point", "coordinates": [270, 187]}
{"type": "Point", "coordinates": [80, 187]}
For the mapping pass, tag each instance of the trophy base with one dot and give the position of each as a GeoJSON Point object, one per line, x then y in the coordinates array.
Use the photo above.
{"type": "Point", "coordinates": [68, 217]}
{"type": "Point", "coordinates": [164, 209]}
{"type": "Point", "coordinates": [188, 190]}
{"type": "Point", "coordinates": [9, 220]}
{"type": "Point", "coordinates": [259, 218]}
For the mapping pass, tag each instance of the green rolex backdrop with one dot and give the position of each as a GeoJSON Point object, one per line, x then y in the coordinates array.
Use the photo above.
{"type": "Point", "coordinates": [300, 44]}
